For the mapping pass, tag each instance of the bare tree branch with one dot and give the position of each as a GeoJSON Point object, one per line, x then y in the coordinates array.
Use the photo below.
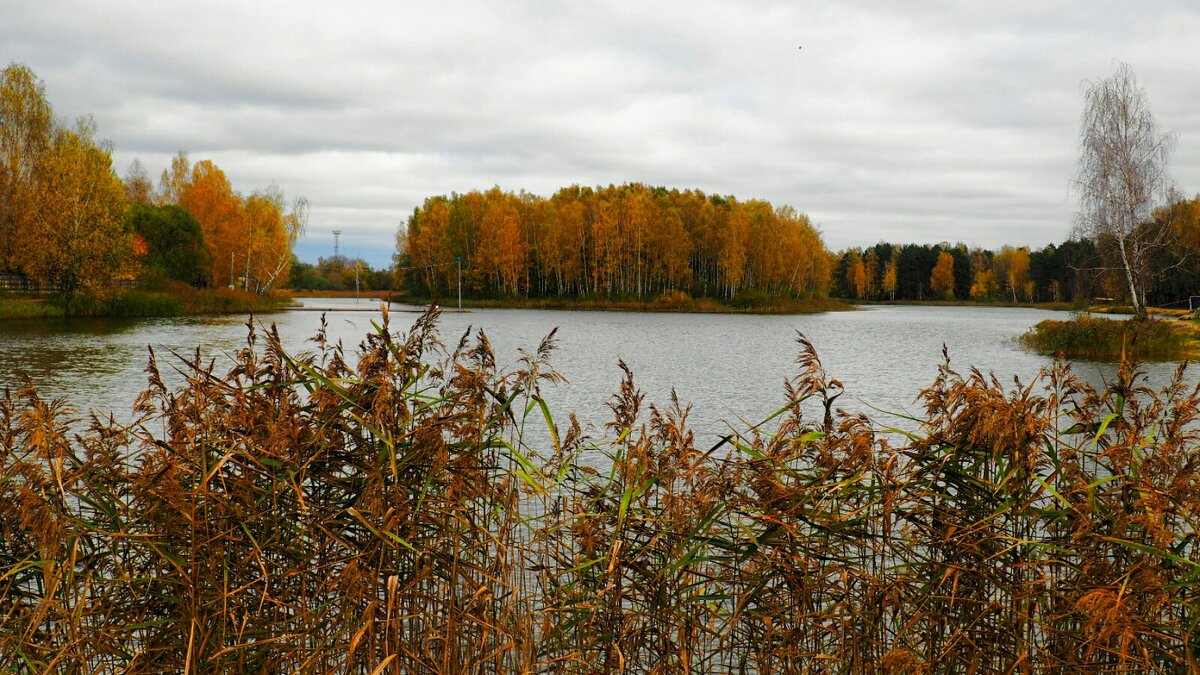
{"type": "Point", "coordinates": [1122, 176]}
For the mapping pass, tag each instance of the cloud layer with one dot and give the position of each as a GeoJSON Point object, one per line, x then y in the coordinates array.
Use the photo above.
{"type": "Point", "coordinates": [900, 122]}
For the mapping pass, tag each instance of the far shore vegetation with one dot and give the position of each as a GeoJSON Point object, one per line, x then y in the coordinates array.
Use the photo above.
{"type": "Point", "coordinates": [195, 245]}
{"type": "Point", "coordinates": [671, 301]}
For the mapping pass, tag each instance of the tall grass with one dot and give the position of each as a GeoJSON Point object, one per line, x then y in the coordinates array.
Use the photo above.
{"type": "Point", "coordinates": [222, 300]}
{"type": "Point", "coordinates": [17, 307]}
{"type": "Point", "coordinates": [173, 298]}
{"type": "Point", "coordinates": [1109, 340]}
{"type": "Point", "coordinates": [297, 513]}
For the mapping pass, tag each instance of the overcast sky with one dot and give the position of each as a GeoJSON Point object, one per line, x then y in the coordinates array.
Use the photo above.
{"type": "Point", "coordinates": [905, 122]}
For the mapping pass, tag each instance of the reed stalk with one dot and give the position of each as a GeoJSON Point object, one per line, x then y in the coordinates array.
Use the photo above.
{"type": "Point", "coordinates": [411, 508]}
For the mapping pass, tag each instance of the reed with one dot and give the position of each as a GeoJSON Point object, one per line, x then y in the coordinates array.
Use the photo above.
{"type": "Point", "coordinates": [410, 508]}
{"type": "Point", "coordinates": [17, 307]}
{"type": "Point", "coordinates": [194, 300]}
{"type": "Point", "coordinates": [1109, 340]}
{"type": "Point", "coordinates": [140, 304]}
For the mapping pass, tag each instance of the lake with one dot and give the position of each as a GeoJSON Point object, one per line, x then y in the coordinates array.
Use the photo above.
{"type": "Point", "coordinates": [728, 366]}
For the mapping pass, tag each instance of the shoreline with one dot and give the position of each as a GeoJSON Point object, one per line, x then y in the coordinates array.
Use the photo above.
{"type": "Point", "coordinates": [15, 307]}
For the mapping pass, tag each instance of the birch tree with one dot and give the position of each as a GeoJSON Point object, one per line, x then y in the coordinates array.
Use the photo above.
{"type": "Point", "coordinates": [1122, 176]}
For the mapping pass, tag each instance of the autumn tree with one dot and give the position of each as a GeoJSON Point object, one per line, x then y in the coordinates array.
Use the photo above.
{"type": "Point", "coordinates": [856, 275]}
{"type": "Point", "coordinates": [1183, 217]}
{"type": "Point", "coordinates": [871, 269]}
{"type": "Point", "coordinates": [731, 256]}
{"type": "Point", "coordinates": [983, 286]}
{"type": "Point", "coordinates": [889, 279]}
{"type": "Point", "coordinates": [807, 263]}
{"type": "Point", "coordinates": [1018, 273]}
{"type": "Point", "coordinates": [207, 194]}
{"type": "Point", "coordinates": [250, 239]}
{"type": "Point", "coordinates": [26, 130]}
{"type": "Point", "coordinates": [264, 239]}
{"type": "Point", "coordinates": [566, 246]}
{"type": "Point", "coordinates": [174, 180]}
{"type": "Point", "coordinates": [83, 244]}
{"type": "Point", "coordinates": [619, 239]}
{"type": "Point", "coordinates": [138, 188]}
{"type": "Point", "coordinates": [1122, 175]}
{"type": "Point", "coordinates": [941, 281]}
{"type": "Point", "coordinates": [424, 243]}
{"type": "Point", "coordinates": [173, 241]}
{"type": "Point", "coordinates": [1010, 269]}
{"type": "Point", "coordinates": [272, 231]}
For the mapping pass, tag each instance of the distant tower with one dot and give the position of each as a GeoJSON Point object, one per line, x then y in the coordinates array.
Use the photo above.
{"type": "Point", "coordinates": [336, 234]}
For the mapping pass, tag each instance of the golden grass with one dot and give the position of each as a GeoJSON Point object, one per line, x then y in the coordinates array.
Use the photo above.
{"type": "Point", "coordinates": [298, 514]}
{"type": "Point", "coordinates": [1111, 340]}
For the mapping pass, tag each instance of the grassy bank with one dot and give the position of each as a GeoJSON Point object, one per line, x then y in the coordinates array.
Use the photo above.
{"type": "Point", "coordinates": [294, 293]}
{"type": "Point", "coordinates": [421, 512]}
{"type": "Point", "coordinates": [671, 302]}
{"type": "Point", "coordinates": [172, 300]}
{"type": "Point", "coordinates": [21, 307]}
{"type": "Point", "coordinates": [1054, 306]}
{"type": "Point", "coordinates": [1109, 339]}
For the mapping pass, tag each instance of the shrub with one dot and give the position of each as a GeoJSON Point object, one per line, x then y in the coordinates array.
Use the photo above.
{"type": "Point", "coordinates": [673, 299]}
{"type": "Point", "coordinates": [1086, 337]}
{"type": "Point", "coordinates": [142, 304]}
{"type": "Point", "coordinates": [751, 299]}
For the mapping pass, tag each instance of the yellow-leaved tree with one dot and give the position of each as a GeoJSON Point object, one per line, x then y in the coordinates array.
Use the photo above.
{"type": "Point", "coordinates": [206, 193]}
{"type": "Point", "coordinates": [942, 279]}
{"type": "Point", "coordinates": [270, 234]}
{"type": "Point", "coordinates": [26, 128]}
{"type": "Point", "coordinates": [250, 239]}
{"type": "Point", "coordinates": [83, 245]}
{"type": "Point", "coordinates": [889, 279]}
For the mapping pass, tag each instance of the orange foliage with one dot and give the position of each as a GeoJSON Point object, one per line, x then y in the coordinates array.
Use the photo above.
{"type": "Point", "coordinates": [82, 245]}
{"type": "Point", "coordinates": [627, 239]}
{"type": "Point", "coordinates": [209, 197]}
{"type": "Point", "coordinates": [26, 129]}
{"type": "Point", "coordinates": [942, 279]}
{"type": "Point", "coordinates": [250, 238]}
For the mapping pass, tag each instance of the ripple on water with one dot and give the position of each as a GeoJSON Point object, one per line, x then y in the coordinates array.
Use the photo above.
{"type": "Point", "coordinates": [727, 366]}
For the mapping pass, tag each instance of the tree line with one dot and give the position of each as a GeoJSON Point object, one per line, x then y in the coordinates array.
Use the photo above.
{"type": "Point", "coordinates": [1076, 270]}
{"type": "Point", "coordinates": [339, 273]}
{"type": "Point", "coordinates": [629, 239]}
{"type": "Point", "coordinates": [917, 272]}
{"type": "Point", "coordinates": [68, 222]}
{"type": "Point", "coordinates": [248, 238]}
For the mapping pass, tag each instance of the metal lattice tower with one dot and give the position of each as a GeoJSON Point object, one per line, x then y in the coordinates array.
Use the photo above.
{"type": "Point", "coordinates": [336, 234]}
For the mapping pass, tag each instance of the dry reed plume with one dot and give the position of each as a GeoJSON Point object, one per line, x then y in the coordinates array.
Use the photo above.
{"type": "Point", "coordinates": [298, 514]}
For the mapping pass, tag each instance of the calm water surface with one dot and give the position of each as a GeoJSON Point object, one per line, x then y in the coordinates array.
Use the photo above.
{"type": "Point", "coordinates": [727, 366]}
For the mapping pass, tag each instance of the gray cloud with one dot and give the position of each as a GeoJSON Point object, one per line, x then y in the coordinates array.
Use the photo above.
{"type": "Point", "coordinates": [911, 122]}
